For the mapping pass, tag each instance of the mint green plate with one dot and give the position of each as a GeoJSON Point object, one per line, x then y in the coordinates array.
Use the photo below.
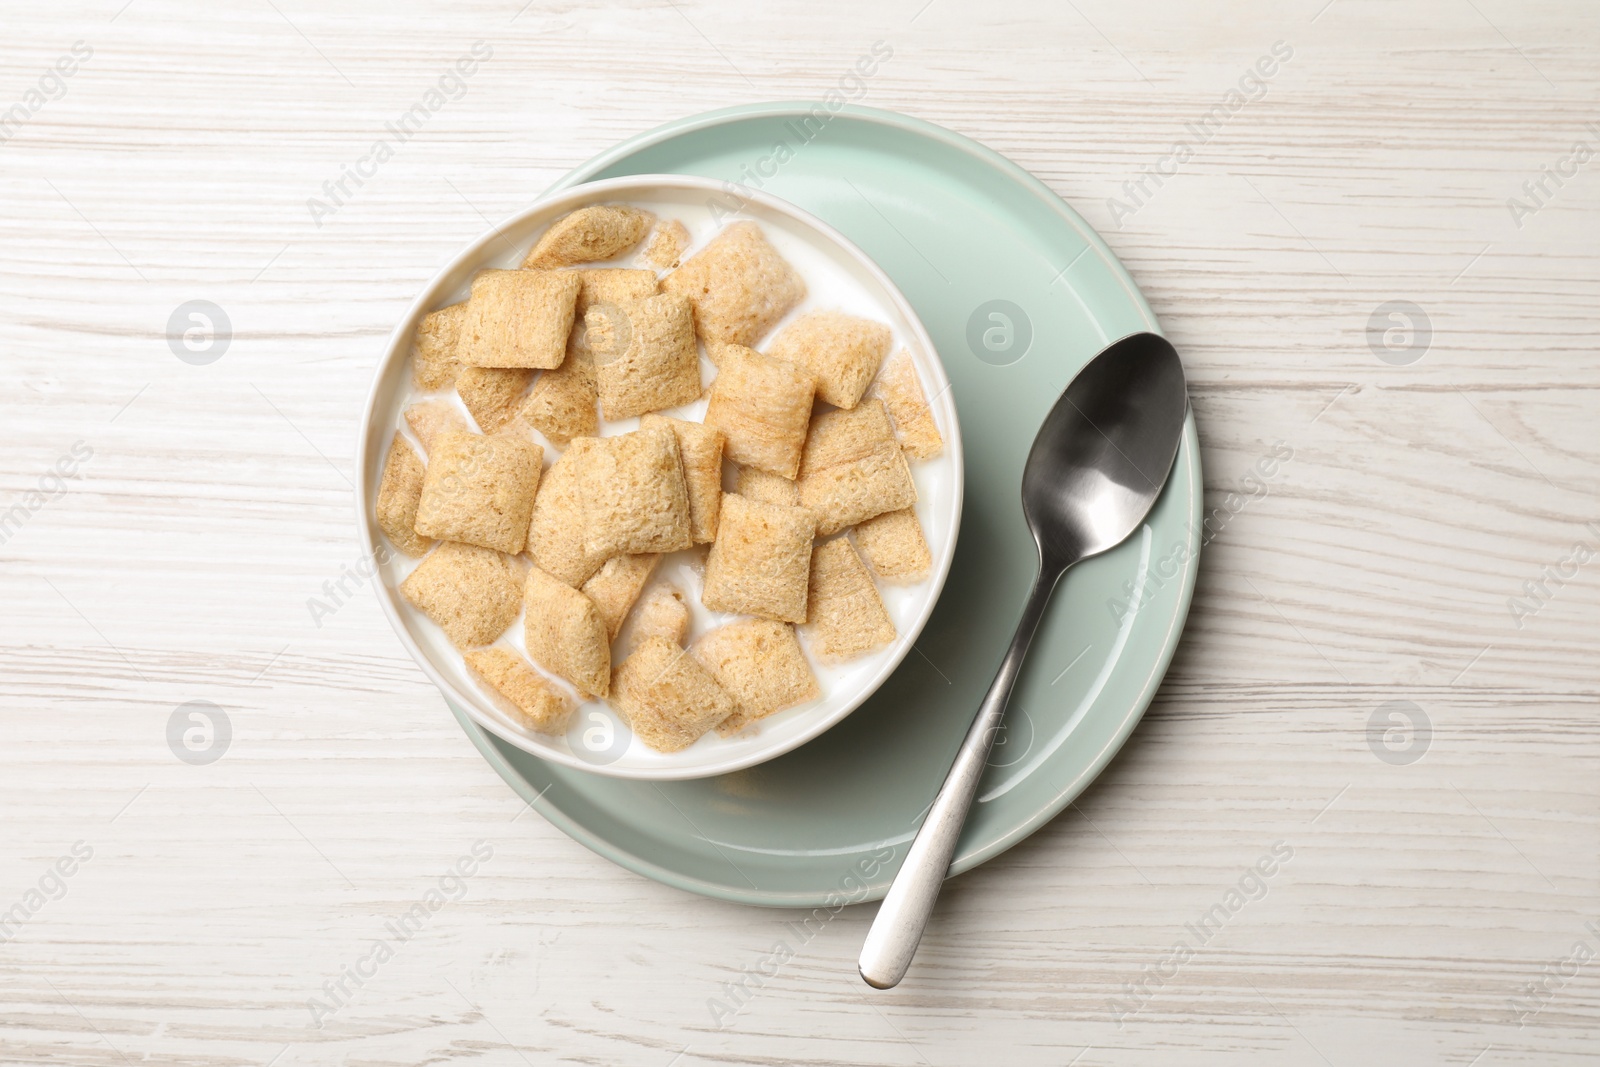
{"type": "Point", "coordinates": [958, 228]}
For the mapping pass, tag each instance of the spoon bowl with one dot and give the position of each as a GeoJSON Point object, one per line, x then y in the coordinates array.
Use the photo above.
{"type": "Point", "coordinates": [1103, 453]}
{"type": "Point", "coordinates": [1094, 472]}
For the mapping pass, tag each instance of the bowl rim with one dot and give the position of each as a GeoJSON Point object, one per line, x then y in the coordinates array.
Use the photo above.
{"type": "Point", "coordinates": [397, 351]}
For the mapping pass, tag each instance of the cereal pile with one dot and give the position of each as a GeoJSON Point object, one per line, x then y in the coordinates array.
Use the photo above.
{"type": "Point", "coordinates": [817, 428]}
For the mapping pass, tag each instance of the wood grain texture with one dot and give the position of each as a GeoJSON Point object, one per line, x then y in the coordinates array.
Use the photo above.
{"type": "Point", "coordinates": [1375, 565]}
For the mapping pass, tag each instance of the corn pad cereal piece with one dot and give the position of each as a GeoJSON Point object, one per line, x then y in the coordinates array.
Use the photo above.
{"type": "Point", "coordinates": [658, 365]}
{"type": "Point", "coordinates": [472, 593]}
{"type": "Point", "coordinates": [668, 699]}
{"type": "Point", "coordinates": [740, 286]}
{"type": "Point", "coordinates": [757, 484]}
{"type": "Point", "coordinates": [700, 447]}
{"type": "Point", "coordinates": [431, 418]}
{"type": "Point", "coordinates": [633, 494]}
{"type": "Point", "coordinates": [900, 388]}
{"type": "Point", "coordinates": [843, 352]}
{"type": "Point", "coordinates": [852, 468]}
{"type": "Point", "coordinates": [847, 618]}
{"type": "Point", "coordinates": [563, 403]}
{"type": "Point", "coordinates": [435, 363]}
{"type": "Point", "coordinates": [760, 560]}
{"type": "Point", "coordinates": [610, 285]}
{"type": "Point", "coordinates": [661, 613]}
{"type": "Point", "coordinates": [540, 706]}
{"type": "Point", "coordinates": [764, 406]}
{"type": "Point", "coordinates": [480, 490]}
{"type": "Point", "coordinates": [556, 532]}
{"type": "Point", "coordinates": [667, 244]}
{"type": "Point", "coordinates": [759, 662]}
{"type": "Point", "coordinates": [493, 394]}
{"type": "Point", "coordinates": [519, 318]}
{"type": "Point", "coordinates": [564, 633]}
{"type": "Point", "coordinates": [616, 585]}
{"type": "Point", "coordinates": [589, 234]}
{"type": "Point", "coordinates": [398, 495]}
{"type": "Point", "coordinates": [893, 545]}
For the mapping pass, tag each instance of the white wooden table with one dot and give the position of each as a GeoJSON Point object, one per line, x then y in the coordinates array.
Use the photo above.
{"type": "Point", "coordinates": [1397, 556]}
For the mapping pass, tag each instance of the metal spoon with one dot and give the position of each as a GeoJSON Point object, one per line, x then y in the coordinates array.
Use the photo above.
{"type": "Point", "coordinates": [1094, 472]}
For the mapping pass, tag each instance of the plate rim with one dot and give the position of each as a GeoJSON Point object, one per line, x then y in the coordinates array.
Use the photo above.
{"type": "Point", "coordinates": [1188, 454]}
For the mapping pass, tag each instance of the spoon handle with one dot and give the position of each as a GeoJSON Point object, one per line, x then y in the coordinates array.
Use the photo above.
{"type": "Point", "coordinates": [895, 932]}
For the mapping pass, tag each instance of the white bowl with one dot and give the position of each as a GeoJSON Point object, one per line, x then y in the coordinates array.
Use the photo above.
{"type": "Point", "coordinates": [838, 275]}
